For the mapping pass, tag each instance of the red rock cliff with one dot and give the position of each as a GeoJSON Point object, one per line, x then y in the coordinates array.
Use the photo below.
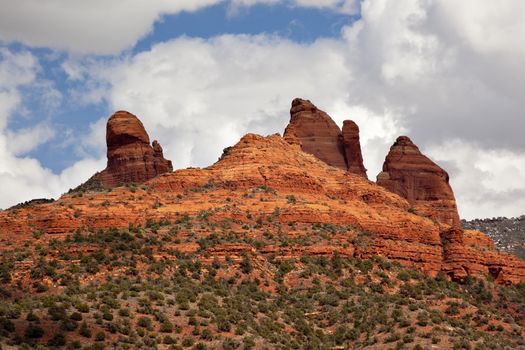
{"type": "Point", "coordinates": [410, 174]}
{"type": "Point", "coordinates": [131, 158]}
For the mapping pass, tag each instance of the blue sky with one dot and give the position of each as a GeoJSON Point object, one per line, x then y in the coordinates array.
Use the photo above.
{"type": "Point", "coordinates": [201, 73]}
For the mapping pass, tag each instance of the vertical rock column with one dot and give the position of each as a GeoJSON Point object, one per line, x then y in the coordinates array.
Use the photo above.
{"type": "Point", "coordinates": [352, 146]}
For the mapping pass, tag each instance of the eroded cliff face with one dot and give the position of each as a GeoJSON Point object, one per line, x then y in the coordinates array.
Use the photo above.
{"type": "Point", "coordinates": [265, 184]}
{"type": "Point", "coordinates": [413, 176]}
{"type": "Point", "coordinates": [131, 158]}
{"type": "Point", "coordinates": [316, 133]}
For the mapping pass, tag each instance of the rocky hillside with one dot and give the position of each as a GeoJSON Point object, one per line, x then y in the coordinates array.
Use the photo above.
{"type": "Point", "coordinates": [507, 234]}
{"type": "Point", "coordinates": [165, 285]}
{"type": "Point", "coordinates": [282, 244]}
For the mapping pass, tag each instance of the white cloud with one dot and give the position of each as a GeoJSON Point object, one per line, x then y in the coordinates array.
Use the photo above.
{"type": "Point", "coordinates": [25, 140]}
{"type": "Point", "coordinates": [24, 178]}
{"type": "Point", "coordinates": [16, 68]}
{"type": "Point", "coordinates": [487, 28]}
{"type": "Point", "coordinates": [199, 96]}
{"type": "Point", "coordinates": [108, 27]}
{"type": "Point", "coordinates": [95, 26]}
{"type": "Point", "coordinates": [488, 183]}
{"type": "Point", "coordinates": [350, 7]}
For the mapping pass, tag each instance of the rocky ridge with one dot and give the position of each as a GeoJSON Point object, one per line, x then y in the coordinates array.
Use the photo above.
{"type": "Point", "coordinates": [270, 185]}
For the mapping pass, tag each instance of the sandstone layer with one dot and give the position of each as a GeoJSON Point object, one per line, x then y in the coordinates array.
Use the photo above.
{"type": "Point", "coordinates": [264, 185]}
{"type": "Point", "coordinates": [413, 176]}
{"type": "Point", "coordinates": [131, 158]}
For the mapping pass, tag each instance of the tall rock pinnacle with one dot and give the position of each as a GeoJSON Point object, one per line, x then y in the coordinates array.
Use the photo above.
{"type": "Point", "coordinates": [316, 132]}
{"type": "Point", "coordinates": [410, 174]}
{"type": "Point", "coordinates": [131, 158]}
{"type": "Point", "coordinates": [352, 146]}
{"type": "Point", "coordinates": [320, 136]}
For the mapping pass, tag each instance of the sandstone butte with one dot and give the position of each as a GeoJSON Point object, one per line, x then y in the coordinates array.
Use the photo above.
{"type": "Point", "coordinates": [317, 134]}
{"type": "Point", "coordinates": [422, 182]}
{"type": "Point", "coordinates": [131, 158]}
{"type": "Point", "coordinates": [263, 177]}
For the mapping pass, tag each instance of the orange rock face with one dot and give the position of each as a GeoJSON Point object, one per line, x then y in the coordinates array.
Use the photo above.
{"type": "Point", "coordinates": [407, 172]}
{"type": "Point", "coordinates": [352, 145]}
{"type": "Point", "coordinates": [131, 158]}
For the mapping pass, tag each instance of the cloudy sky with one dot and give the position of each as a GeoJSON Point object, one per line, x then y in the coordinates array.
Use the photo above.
{"type": "Point", "coordinates": [201, 73]}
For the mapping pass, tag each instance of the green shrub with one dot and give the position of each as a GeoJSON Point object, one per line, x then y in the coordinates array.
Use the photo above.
{"type": "Point", "coordinates": [144, 322]}
{"type": "Point", "coordinates": [57, 340]}
{"type": "Point", "coordinates": [84, 330]}
{"type": "Point", "coordinates": [34, 331]}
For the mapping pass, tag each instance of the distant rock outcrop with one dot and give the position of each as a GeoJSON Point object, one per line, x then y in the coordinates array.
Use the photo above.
{"type": "Point", "coordinates": [410, 174]}
{"type": "Point", "coordinates": [318, 134]}
{"type": "Point", "coordinates": [131, 158]}
{"type": "Point", "coordinates": [352, 146]}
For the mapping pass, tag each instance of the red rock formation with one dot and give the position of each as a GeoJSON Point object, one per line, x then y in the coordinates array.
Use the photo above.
{"type": "Point", "coordinates": [268, 178]}
{"type": "Point", "coordinates": [422, 182]}
{"type": "Point", "coordinates": [316, 132]}
{"type": "Point", "coordinates": [257, 175]}
{"type": "Point", "coordinates": [319, 135]}
{"type": "Point", "coordinates": [131, 158]}
{"type": "Point", "coordinates": [354, 157]}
